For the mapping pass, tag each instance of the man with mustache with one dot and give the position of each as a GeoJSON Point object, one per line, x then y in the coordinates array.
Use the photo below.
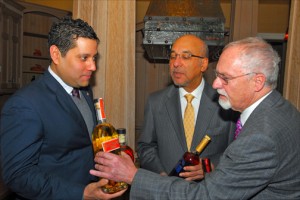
{"type": "Point", "coordinates": [261, 163]}
{"type": "Point", "coordinates": [163, 141]}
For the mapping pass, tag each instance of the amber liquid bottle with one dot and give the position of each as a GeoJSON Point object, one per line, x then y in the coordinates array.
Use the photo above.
{"type": "Point", "coordinates": [190, 158]}
{"type": "Point", "coordinates": [123, 146]}
{"type": "Point", "coordinates": [105, 138]}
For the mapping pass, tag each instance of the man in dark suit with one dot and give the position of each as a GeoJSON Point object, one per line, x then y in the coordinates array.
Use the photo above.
{"type": "Point", "coordinates": [163, 141]}
{"type": "Point", "coordinates": [46, 150]}
{"type": "Point", "coordinates": [262, 162]}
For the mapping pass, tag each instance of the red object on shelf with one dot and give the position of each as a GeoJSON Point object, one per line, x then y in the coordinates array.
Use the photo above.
{"type": "Point", "coordinates": [37, 52]}
{"type": "Point", "coordinates": [37, 68]}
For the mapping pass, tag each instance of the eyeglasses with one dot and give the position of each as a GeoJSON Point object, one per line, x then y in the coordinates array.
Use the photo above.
{"type": "Point", "coordinates": [184, 56]}
{"type": "Point", "coordinates": [225, 79]}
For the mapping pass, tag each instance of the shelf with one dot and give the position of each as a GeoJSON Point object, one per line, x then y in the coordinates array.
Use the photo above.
{"type": "Point", "coordinates": [35, 35]}
{"type": "Point", "coordinates": [36, 57]}
{"type": "Point", "coordinates": [33, 72]}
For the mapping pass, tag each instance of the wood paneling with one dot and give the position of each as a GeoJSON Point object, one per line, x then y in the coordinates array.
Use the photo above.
{"type": "Point", "coordinates": [291, 90]}
{"type": "Point", "coordinates": [150, 77]}
{"type": "Point", "coordinates": [243, 19]}
{"type": "Point", "coordinates": [114, 22]}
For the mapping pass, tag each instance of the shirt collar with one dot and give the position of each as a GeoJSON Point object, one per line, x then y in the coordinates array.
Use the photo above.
{"type": "Point", "coordinates": [196, 93]}
{"type": "Point", "coordinates": [60, 81]}
{"type": "Point", "coordinates": [247, 112]}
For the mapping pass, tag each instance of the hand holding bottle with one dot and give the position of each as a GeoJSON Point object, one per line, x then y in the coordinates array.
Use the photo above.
{"type": "Point", "coordinates": [190, 166]}
{"type": "Point", "coordinates": [114, 167]}
{"type": "Point", "coordinates": [192, 173]}
{"type": "Point", "coordinates": [91, 191]}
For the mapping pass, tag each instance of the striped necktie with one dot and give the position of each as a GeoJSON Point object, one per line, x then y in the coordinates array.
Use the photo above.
{"type": "Point", "coordinates": [238, 128]}
{"type": "Point", "coordinates": [75, 93]}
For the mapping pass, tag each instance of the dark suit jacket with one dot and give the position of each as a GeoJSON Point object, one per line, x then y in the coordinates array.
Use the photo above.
{"type": "Point", "coordinates": [262, 163]}
{"type": "Point", "coordinates": [162, 141]}
{"type": "Point", "coordinates": [46, 151]}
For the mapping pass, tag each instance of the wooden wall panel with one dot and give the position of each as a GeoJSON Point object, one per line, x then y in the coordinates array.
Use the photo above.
{"type": "Point", "coordinates": [291, 90]}
{"type": "Point", "coordinates": [150, 77]}
{"type": "Point", "coordinates": [114, 22]}
{"type": "Point", "coordinates": [244, 19]}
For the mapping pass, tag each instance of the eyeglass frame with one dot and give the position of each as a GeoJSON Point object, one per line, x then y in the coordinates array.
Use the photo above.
{"type": "Point", "coordinates": [225, 80]}
{"type": "Point", "coordinates": [178, 54]}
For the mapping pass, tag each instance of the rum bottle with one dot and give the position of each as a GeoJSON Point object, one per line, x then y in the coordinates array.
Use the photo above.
{"type": "Point", "coordinates": [122, 140]}
{"type": "Point", "coordinates": [105, 138]}
{"type": "Point", "coordinates": [190, 158]}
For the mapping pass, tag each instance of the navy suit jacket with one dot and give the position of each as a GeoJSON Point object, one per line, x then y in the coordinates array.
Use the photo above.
{"type": "Point", "coordinates": [46, 151]}
{"type": "Point", "coordinates": [162, 142]}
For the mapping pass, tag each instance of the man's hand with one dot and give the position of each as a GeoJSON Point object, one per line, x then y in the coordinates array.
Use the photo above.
{"type": "Point", "coordinates": [93, 191]}
{"type": "Point", "coordinates": [194, 173]}
{"type": "Point", "coordinates": [114, 167]}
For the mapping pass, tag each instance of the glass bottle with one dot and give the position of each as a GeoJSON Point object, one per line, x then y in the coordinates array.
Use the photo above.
{"type": "Point", "coordinates": [105, 138]}
{"type": "Point", "coordinates": [122, 140]}
{"type": "Point", "coordinates": [190, 158]}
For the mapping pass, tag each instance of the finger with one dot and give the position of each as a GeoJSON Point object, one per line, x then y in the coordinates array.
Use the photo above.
{"type": "Point", "coordinates": [102, 182]}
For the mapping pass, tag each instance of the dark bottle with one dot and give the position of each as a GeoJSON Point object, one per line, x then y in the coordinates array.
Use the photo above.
{"type": "Point", "coordinates": [122, 140]}
{"type": "Point", "coordinates": [190, 158]}
{"type": "Point", "coordinates": [32, 78]}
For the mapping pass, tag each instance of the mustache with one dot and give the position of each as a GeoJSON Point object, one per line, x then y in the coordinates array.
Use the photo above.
{"type": "Point", "coordinates": [222, 92]}
{"type": "Point", "coordinates": [177, 71]}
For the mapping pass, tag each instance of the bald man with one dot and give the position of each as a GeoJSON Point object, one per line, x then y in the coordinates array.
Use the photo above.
{"type": "Point", "coordinates": [163, 141]}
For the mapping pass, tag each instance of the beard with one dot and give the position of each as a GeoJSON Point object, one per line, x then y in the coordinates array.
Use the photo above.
{"type": "Point", "coordinates": [179, 84]}
{"type": "Point", "coordinates": [224, 103]}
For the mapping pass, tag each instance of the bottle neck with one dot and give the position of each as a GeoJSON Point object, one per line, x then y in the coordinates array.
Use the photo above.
{"type": "Point", "coordinates": [122, 139]}
{"type": "Point", "coordinates": [101, 121]}
{"type": "Point", "coordinates": [99, 107]}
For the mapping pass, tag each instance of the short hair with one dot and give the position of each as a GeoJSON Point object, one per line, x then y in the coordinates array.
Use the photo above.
{"type": "Point", "coordinates": [258, 56]}
{"type": "Point", "coordinates": [66, 31]}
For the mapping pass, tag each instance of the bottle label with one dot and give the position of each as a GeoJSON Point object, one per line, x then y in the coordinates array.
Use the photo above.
{"type": "Point", "coordinates": [180, 165]}
{"type": "Point", "coordinates": [122, 138]}
{"type": "Point", "coordinates": [111, 145]}
{"type": "Point", "coordinates": [99, 106]}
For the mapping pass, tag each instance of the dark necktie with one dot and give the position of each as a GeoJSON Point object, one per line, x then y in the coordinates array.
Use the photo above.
{"type": "Point", "coordinates": [238, 128]}
{"type": "Point", "coordinates": [75, 93]}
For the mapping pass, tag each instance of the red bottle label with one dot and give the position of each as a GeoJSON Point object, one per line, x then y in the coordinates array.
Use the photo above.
{"type": "Point", "coordinates": [111, 145]}
{"type": "Point", "coordinates": [206, 165]}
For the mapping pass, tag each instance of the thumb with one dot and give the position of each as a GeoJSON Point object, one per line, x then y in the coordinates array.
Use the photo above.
{"type": "Point", "coordinates": [102, 182]}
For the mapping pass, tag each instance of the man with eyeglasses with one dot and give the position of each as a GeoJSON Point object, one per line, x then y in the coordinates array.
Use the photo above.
{"type": "Point", "coordinates": [261, 163]}
{"type": "Point", "coordinates": [163, 138]}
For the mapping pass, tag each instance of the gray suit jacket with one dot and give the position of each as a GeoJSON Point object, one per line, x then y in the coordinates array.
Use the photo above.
{"type": "Point", "coordinates": [162, 142]}
{"type": "Point", "coordinates": [262, 163]}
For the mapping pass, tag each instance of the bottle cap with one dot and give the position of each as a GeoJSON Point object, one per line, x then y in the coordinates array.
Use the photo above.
{"type": "Point", "coordinates": [203, 144]}
{"type": "Point", "coordinates": [121, 131]}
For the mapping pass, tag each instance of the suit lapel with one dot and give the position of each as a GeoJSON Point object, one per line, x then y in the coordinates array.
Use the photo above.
{"type": "Point", "coordinates": [205, 114]}
{"type": "Point", "coordinates": [64, 100]}
{"type": "Point", "coordinates": [174, 112]}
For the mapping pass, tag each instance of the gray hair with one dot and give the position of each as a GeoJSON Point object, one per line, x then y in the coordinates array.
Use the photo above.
{"type": "Point", "coordinates": [258, 56]}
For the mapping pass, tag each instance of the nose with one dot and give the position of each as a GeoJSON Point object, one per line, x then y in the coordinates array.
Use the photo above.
{"type": "Point", "coordinates": [176, 62]}
{"type": "Point", "coordinates": [92, 66]}
{"type": "Point", "coordinates": [217, 84]}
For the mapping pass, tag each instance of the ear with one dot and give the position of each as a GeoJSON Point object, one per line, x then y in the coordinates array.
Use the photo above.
{"type": "Point", "coordinates": [55, 54]}
{"type": "Point", "coordinates": [204, 64]}
{"type": "Point", "coordinates": [260, 80]}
